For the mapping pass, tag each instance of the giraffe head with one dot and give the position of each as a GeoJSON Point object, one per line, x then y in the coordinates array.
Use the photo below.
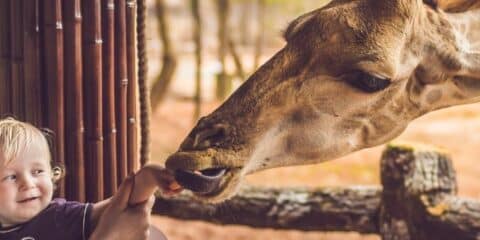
{"type": "Point", "coordinates": [352, 75]}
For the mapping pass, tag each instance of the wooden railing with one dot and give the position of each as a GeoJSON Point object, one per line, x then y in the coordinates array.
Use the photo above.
{"type": "Point", "coordinates": [417, 201]}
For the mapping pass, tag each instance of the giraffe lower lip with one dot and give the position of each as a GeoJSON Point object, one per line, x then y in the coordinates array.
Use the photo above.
{"type": "Point", "coordinates": [203, 181]}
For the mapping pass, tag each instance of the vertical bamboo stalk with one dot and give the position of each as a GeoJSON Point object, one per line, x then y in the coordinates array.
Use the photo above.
{"type": "Point", "coordinates": [31, 55]}
{"type": "Point", "coordinates": [18, 94]}
{"type": "Point", "coordinates": [5, 64]}
{"type": "Point", "coordinates": [121, 82]}
{"type": "Point", "coordinates": [74, 125]}
{"type": "Point", "coordinates": [143, 88]}
{"type": "Point", "coordinates": [132, 151]}
{"type": "Point", "coordinates": [110, 131]}
{"type": "Point", "coordinates": [53, 66]}
{"type": "Point", "coordinates": [92, 67]}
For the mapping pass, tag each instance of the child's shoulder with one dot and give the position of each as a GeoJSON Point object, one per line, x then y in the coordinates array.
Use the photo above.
{"type": "Point", "coordinates": [61, 206]}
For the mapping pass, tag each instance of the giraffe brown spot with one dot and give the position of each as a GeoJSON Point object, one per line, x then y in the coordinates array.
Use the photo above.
{"type": "Point", "coordinates": [434, 95]}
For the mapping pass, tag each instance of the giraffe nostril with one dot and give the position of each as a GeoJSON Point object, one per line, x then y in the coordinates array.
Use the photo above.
{"type": "Point", "coordinates": [210, 136]}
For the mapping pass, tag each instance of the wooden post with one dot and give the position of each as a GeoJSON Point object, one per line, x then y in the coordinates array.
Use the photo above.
{"type": "Point", "coordinates": [419, 201]}
{"type": "Point", "coordinates": [92, 64]}
{"type": "Point", "coordinates": [109, 128]}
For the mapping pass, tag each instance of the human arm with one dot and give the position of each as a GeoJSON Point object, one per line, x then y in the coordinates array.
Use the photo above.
{"type": "Point", "coordinates": [115, 216]}
{"type": "Point", "coordinates": [144, 184]}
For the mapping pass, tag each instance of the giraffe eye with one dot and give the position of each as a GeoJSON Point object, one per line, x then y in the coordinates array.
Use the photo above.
{"type": "Point", "coordinates": [367, 82]}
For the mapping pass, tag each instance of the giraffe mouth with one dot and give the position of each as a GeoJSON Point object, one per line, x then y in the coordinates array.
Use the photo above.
{"type": "Point", "coordinates": [203, 181]}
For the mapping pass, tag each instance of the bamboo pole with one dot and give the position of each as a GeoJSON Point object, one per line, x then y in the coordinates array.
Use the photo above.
{"type": "Point", "coordinates": [31, 55]}
{"type": "Point", "coordinates": [74, 125]}
{"type": "Point", "coordinates": [92, 67]}
{"type": "Point", "coordinates": [5, 64]}
{"type": "Point", "coordinates": [121, 82]}
{"type": "Point", "coordinates": [53, 65]}
{"type": "Point", "coordinates": [132, 149]}
{"type": "Point", "coordinates": [16, 45]}
{"type": "Point", "coordinates": [110, 131]}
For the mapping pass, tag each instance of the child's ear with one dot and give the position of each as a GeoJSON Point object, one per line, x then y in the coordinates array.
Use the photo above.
{"type": "Point", "coordinates": [57, 173]}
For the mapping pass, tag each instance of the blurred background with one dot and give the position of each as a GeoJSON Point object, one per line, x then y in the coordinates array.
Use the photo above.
{"type": "Point", "coordinates": [235, 37]}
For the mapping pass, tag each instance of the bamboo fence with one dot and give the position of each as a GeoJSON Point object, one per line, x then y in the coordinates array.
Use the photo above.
{"type": "Point", "coordinates": [71, 66]}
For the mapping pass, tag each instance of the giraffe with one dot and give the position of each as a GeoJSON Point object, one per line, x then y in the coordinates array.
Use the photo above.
{"type": "Point", "coordinates": [352, 75]}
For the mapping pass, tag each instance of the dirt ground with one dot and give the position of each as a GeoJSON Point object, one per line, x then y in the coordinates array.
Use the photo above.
{"type": "Point", "coordinates": [454, 129]}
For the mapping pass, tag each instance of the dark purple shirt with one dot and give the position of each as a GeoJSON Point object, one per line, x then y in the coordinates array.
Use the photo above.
{"type": "Point", "coordinates": [61, 220]}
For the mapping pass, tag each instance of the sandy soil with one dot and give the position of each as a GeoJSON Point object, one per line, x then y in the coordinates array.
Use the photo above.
{"type": "Point", "coordinates": [453, 129]}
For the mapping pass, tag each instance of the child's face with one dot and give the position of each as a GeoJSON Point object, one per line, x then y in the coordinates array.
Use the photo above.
{"type": "Point", "coordinates": [26, 187]}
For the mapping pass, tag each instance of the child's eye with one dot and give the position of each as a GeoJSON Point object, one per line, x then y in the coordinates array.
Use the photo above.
{"type": "Point", "coordinates": [10, 178]}
{"type": "Point", "coordinates": [38, 171]}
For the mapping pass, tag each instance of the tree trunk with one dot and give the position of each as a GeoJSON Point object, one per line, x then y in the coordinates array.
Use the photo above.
{"type": "Point", "coordinates": [223, 85]}
{"type": "Point", "coordinates": [236, 59]}
{"type": "Point", "coordinates": [162, 82]}
{"type": "Point", "coordinates": [197, 36]}
{"type": "Point", "coordinates": [260, 33]}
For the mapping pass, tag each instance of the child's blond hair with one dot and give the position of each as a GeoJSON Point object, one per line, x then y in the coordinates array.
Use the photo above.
{"type": "Point", "coordinates": [17, 136]}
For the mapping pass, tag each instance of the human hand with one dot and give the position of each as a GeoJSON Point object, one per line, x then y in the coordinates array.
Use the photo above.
{"type": "Point", "coordinates": [116, 221]}
{"type": "Point", "coordinates": [150, 178]}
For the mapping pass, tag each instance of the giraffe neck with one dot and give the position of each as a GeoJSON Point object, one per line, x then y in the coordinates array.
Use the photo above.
{"type": "Point", "coordinates": [468, 29]}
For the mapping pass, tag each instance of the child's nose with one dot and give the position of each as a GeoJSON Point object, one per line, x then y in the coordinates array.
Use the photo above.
{"type": "Point", "coordinates": [27, 182]}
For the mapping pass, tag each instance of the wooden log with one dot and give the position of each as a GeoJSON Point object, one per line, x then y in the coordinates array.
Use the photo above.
{"type": "Point", "coordinates": [110, 129]}
{"type": "Point", "coordinates": [53, 85]}
{"type": "Point", "coordinates": [121, 83]}
{"type": "Point", "coordinates": [31, 55]}
{"type": "Point", "coordinates": [5, 61]}
{"type": "Point", "coordinates": [16, 45]}
{"type": "Point", "coordinates": [132, 149]}
{"type": "Point", "coordinates": [92, 64]}
{"type": "Point", "coordinates": [419, 201]}
{"type": "Point", "coordinates": [327, 209]}
{"type": "Point", "coordinates": [74, 125]}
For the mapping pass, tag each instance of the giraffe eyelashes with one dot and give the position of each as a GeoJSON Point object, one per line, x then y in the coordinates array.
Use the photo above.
{"type": "Point", "coordinates": [367, 82]}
